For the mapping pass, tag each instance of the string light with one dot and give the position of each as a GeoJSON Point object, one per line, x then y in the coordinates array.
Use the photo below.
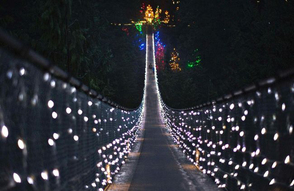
{"type": "Point", "coordinates": [4, 131]}
{"type": "Point", "coordinates": [16, 178]}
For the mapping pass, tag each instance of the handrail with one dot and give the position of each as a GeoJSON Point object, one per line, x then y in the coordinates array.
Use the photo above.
{"type": "Point", "coordinates": [55, 132]}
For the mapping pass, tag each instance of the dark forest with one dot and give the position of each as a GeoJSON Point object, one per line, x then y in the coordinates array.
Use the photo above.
{"type": "Point", "coordinates": [239, 43]}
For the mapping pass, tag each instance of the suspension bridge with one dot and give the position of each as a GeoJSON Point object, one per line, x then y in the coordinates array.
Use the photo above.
{"type": "Point", "coordinates": [58, 134]}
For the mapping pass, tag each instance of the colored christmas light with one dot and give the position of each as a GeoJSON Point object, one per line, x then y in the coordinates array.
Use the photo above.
{"type": "Point", "coordinates": [174, 62]}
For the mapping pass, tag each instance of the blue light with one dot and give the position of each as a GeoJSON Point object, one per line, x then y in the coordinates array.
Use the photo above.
{"type": "Point", "coordinates": [142, 46]}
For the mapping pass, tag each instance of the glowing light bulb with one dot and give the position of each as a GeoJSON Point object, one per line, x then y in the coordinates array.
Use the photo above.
{"type": "Point", "coordinates": [76, 138]}
{"type": "Point", "coordinates": [251, 166]}
{"type": "Point", "coordinates": [4, 131]}
{"type": "Point", "coordinates": [264, 161]}
{"type": "Point", "coordinates": [283, 107]}
{"type": "Point", "coordinates": [44, 175]}
{"type": "Point", "coordinates": [292, 183]}
{"type": "Point", "coordinates": [266, 174]}
{"type": "Point", "coordinates": [244, 163]}
{"type": "Point", "coordinates": [30, 180]}
{"type": "Point", "coordinates": [50, 104]}
{"type": "Point", "coordinates": [273, 181]}
{"type": "Point", "coordinates": [56, 136]}
{"type": "Point", "coordinates": [54, 115]}
{"type": "Point", "coordinates": [55, 172]}
{"type": "Point", "coordinates": [243, 118]}
{"type": "Point", "coordinates": [16, 178]}
{"type": "Point", "coordinates": [68, 110]}
{"type": "Point", "coordinates": [287, 160]}
{"type": "Point", "coordinates": [53, 84]}
{"type": "Point", "coordinates": [22, 71]}
{"type": "Point", "coordinates": [276, 136]}
{"type": "Point", "coordinates": [21, 144]}
{"type": "Point", "coordinates": [51, 142]}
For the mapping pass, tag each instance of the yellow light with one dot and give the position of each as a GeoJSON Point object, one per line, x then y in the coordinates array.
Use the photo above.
{"type": "Point", "coordinates": [149, 14]}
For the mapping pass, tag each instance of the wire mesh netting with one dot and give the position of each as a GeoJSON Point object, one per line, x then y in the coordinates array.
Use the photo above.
{"type": "Point", "coordinates": [245, 143]}
{"type": "Point", "coordinates": [55, 137]}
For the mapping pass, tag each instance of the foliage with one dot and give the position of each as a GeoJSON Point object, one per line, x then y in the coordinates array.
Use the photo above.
{"type": "Point", "coordinates": [239, 42]}
{"type": "Point", "coordinates": [78, 37]}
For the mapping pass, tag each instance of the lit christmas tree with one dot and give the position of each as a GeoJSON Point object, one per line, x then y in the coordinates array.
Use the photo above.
{"type": "Point", "coordinates": [174, 62]}
{"type": "Point", "coordinates": [166, 18]}
{"type": "Point", "coordinates": [149, 14]}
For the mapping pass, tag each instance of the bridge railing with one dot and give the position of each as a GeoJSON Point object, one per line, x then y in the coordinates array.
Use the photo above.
{"type": "Point", "coordinates": [245, 140]}
{"type": "Point", "coordinates": [56, 133]}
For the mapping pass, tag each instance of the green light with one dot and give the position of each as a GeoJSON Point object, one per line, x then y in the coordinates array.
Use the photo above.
{"type": "Point", "coordinates": [139, 26]}
{"type": "Point", "coordinates": [190, 65]}
{"type": "Point", "coordinates": [197, 61]}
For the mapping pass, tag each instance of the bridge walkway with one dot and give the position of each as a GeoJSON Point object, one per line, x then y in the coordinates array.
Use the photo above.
{"type": "Point", "coordinates": [158, 165]}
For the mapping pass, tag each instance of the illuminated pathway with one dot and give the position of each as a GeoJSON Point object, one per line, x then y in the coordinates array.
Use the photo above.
{"type": "Point", "coordinates": [158, 164]}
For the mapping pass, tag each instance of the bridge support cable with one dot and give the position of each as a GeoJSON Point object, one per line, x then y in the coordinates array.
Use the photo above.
{"type": "Point", "coordinates": [55, 135]}
{"type": "Point", "coordinates": [245, 141]}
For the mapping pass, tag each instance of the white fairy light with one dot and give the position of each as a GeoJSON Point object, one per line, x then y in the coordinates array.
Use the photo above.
{"type": "Point", "coordinates": [70, 130]}
{"type": "Point", "coordinates": [54, 115]}
{"type": "Point", "coordinates": [264, 161]}
{"type": "Point", "coordinates": [263, 131]}
{"type": "Point", "coordinates": [22, 71]}
{"type": "Point", "coordinates": [273, 181]}
{"type": "Point", "coordinates": [4, 131]}
{"type": "Point", "coordinates": [283, 107]}
{"type": "Point", "coordinates": [56, 136]}
{"type": "Point", "coordinates": [243, 118]}
{"type": "Point", "coordinates": [21, 144]}
{"type": "Point", "coordinates": [257, 152]}
{"type": "Point", "coordinates": [16, 178]}
{"type": "Point", "coordinates": [55, 172]}
{"type": "Point", "coordinates": [51, 142]}
{"type": "Point", "coordinates": [266, 174]}
{"type": "Point", "coordinates": [50, 104]}
{"type": "Point", "coordinates": [287, 160]}
{"type": "Point", "coordinates": [76, 138]}
{"type": "Point", "coordinates": [53, 84]}
{"type": "Point", "coordinates": [251, 166]}
{"type": "Point", "coordinates": [30, 180]}
{"type": "Point", "coordinates": [243, 149]}
{"type": "Point", "coordinates": [242, 187]}
{"type": "Point", "coordinates": [68, 110]}
{"type": "Point", "coordinates": [244, 164]}
{"type": "Point", "coordinates": [44, 175]}
{"type": "Point", "coordinates": [292, 183]}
